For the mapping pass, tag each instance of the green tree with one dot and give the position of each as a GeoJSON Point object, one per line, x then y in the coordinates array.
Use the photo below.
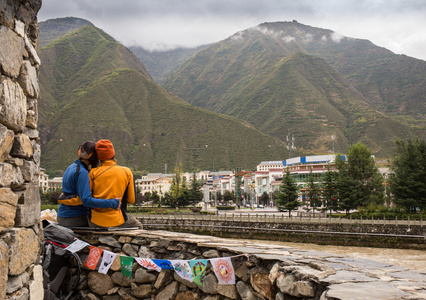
{"type": "Point", "coordinates": [288, 194]}
{"type": "Point", "coordinates": [314, 192]}
{"type": "Point", "coordinates": [228, 196]}
{"type": "Point", "coordinates": [346, 194]}
{"type": "Point", "coordinates": [329, 192]}
{"type": "Point", "coordinates": [219, 196]}
{"type": "Point", "coordinates": [178, 189]}
{"type": "Point", "coordinates": [264, 198]}
{"type": "Point", "coordinates": [361, 173]}
{"type": "Point", "coordinates": [408, 184]}
{"type": "Point", "coordinates": [195, 195]}
{"type": "Point", "coordinates": [155, 197]}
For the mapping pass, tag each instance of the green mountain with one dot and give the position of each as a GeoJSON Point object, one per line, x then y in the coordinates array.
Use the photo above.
{"type": "Point", "coordinates": [287, 77]}
{"type": "Point", "coordinates": [160, 64]}
{"type": "Point", "coordinates": [94, 88]}
{"type": "Point", "coordinates": [53, 29]}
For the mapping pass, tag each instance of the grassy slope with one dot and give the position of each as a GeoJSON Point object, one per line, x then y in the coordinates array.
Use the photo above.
{"type": "Point", "coordinates": [93, 88]}
{"type": "Point", "coordinates": [257, 76]}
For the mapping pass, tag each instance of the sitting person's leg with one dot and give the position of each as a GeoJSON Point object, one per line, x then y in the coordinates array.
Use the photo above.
{"type": "Point", "coordinates": [80, 221]}
{"type": "Point", "coordinates": [131, 222]}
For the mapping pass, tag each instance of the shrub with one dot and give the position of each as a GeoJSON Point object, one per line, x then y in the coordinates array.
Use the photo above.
{"type": "Point", "coordinates": [225, 207]}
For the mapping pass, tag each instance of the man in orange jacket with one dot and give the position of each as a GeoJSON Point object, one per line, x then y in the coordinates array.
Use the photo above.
{"type": "Point", "coordinates": [107, 180]}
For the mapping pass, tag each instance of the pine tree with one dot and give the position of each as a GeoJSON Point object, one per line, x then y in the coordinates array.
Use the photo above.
{"type": "Point", "coordinates": [408, 184]}
{"type": "Point", "coordinates": [314, 194]}
{"type": "Point", "coordinates": [195, 195]}
{"type": "Point", "coordinates": [288, 194]}
{"type": "Point", "coordinates": [329, 192]}
{"type": "Point", "coordinates": [359, 180]}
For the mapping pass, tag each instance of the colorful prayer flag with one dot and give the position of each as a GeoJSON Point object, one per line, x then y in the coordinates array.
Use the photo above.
{"type": "Point", "coordinates": [93, 258]}
{"type": "Point", "coordinates": [183, 269]}
{"type": "Point", "coordinates": [164, 264]}
{"type": "Point", "coordinates": [76, 246]}
{"type": "Point", "coordinates": [107, 260]}
{"type": "Point", "coordinates": [198, 268]}
{"type": "Point", "coordinates": [126, 263]}
{"type": "Point", "coordinates": [224, 270]}
{"type": "Point", "coordinates": [147, 263]}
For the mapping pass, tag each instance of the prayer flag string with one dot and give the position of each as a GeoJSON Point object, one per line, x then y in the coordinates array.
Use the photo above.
{"type": "Point", "coordinates": [192, 270]}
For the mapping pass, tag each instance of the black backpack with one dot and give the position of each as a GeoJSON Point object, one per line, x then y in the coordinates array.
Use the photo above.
{"type": "Point", "coordinates": [61, 268]}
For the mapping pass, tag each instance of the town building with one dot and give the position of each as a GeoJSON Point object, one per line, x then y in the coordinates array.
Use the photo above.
{"type": "Point", "coordinates": [43, 180]}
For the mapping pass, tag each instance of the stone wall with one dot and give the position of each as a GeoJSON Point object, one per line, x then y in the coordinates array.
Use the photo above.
{"type": "Point", "coordinates": [20, 232]}
{"type": "Point", "coordinates": [270, 272]}
{"type": "Point", "coordinates": [355, 234]}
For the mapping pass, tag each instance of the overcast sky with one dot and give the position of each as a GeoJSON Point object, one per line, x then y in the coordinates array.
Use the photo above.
{"type": "Point", "coordinates": [398, 25]}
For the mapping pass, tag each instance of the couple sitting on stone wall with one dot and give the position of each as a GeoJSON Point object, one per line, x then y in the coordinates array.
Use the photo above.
{"type": "Point", "coordinates": [96, 196]}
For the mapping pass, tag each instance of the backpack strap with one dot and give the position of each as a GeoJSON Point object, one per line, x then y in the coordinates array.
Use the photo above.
{"type": "Point", "coordinates": [77, 172]}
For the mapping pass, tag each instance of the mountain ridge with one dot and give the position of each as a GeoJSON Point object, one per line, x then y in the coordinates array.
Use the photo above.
{"type": "Point", "coordinates": [94, 88]}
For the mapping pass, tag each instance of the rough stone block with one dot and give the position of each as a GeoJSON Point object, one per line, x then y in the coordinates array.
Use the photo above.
{"type": "Point", "coordinates": [99, 283]}
{"type": "Point", "coordinates": [24, 248]}
{"type": "Point", "coordinates": [261, 283]}
{"type": "Point", "coordinates": [32, 114]}
{"type": "Point", "coordinates": [22, 294]}
{"type": "Point", "coordinates": [13, 105]}
{"type": "Point", "coordinates": [6, 142]}
{"type": "Point", "coordinates": [4, 266]}
{"type": "Point", "coordinates": [187, 295]}
{"type": "Point", "coordinates": [11, 52]}
{"type": "Point", "coordinates": [227, 290]}
{"type": "Point", "coordinates": [22, 146]}
{"type": "Point", "coordinates": [20, 28]}
{"type": "Point", "coordinates": [28, 79]}
{"type": "Point", "coordinates": [169, 292]}
{"type": "Point", "coordinates": [163, 278]}
{"type": "Point", "coordinates": [8, 203]}
{"type": "Point", "coordinates": [31, 133]}
{"type": "Point", "coordinates": [36, 285]}
{"type": "Point", "coordinates": [28, 209]}
{"type": "Point", "coordinates": [15, 283]}
{"type": "Point", "coordinates": [36, 152]}
{"type": "Point", "coordinates": [141, 291]}
{"type": "Point", "coordinates": [32, 51]}
{"type": "Point", "coordinates": [119, 279]}
{"type": "Point", "coordinates": [128, 249]}
{"type": "Point", "coordinates": [10, 176]}
{"type": "Point", "coordinates": [143, 276]}
{"type": "Point", "coordinates": [30, 171]}
{"type": "Point", "coordinates": [209, 284]}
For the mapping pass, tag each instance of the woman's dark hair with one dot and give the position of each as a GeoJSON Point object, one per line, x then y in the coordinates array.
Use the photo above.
{"type": "Point", "coordinates": [89, 147]}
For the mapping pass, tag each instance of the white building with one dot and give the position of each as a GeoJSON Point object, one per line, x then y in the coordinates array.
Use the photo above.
{"type": "Point", "coordinates": [43, 180]}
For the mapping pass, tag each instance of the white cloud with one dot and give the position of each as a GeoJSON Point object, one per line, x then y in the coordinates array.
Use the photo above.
{"type": "Point", "coordinates": [288, 39]}
{"type": "Point", "coordinates": [308, 38]}
{"type": "Point", "coordinates": [336, 37]}
{"type": "Point", "coordinates": [393, 24]}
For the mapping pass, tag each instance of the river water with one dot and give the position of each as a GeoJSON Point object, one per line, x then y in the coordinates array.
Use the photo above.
{"type": "Point", "coordinates": [410, 259]}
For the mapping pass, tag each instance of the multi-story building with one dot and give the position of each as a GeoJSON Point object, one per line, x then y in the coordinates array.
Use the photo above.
{"type": "Point", "coordinates": [55, 184]}
{"type": "Point", "coordinates": [43, 180]}
{"type": "Point", "coordinates": [160, 184]}
{"type": "Point", "coordinates": [268, 177]}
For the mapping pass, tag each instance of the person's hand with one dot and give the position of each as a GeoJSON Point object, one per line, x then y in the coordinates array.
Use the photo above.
{"type": "Point", "coordinates": [119, 202]}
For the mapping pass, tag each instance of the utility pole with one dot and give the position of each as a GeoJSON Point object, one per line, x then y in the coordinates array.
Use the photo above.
{"type": "Point", "coordinates": [332, 141]}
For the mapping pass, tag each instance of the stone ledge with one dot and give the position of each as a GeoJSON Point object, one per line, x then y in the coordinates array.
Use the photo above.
{"type": "Point", "coordinates": [272, 272]}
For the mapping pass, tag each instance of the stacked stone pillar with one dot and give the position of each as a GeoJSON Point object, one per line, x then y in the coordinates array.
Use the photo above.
{"type": "Point", "coordinates": [20, 232]}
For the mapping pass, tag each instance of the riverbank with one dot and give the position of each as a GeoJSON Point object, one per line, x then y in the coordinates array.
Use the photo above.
{"type": "Point", "coordinates": [378, 235]}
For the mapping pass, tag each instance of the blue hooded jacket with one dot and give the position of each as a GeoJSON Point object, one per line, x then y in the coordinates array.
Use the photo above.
{"type": "Point", "coordinates": [79, 185]}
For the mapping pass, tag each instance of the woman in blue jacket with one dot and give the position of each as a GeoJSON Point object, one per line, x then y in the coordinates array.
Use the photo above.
{"type": "Point", "coordinates": [75, 183]}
